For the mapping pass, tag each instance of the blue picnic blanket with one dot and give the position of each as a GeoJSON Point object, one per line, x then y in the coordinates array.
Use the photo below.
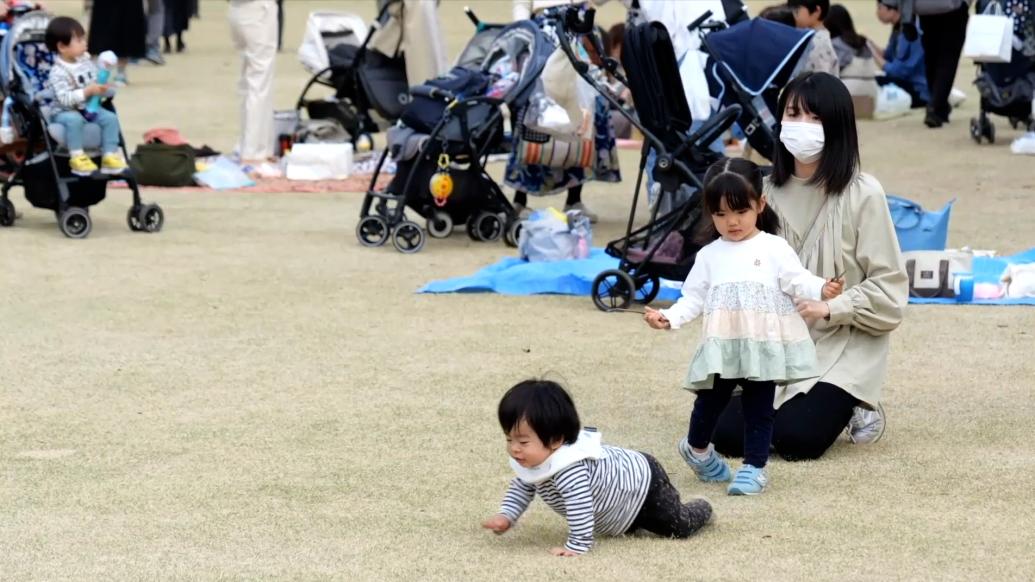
{"type": "Point", "coordinates": [513, 276]}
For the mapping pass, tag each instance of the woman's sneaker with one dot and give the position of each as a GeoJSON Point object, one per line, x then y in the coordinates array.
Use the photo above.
{"type": "Point", "coordinates": [866, 426]}
{"type": "Point", "coordinates": [82, 165]}
{"type": "Point", "coordinates": [113, 163]}
{"type": "Point", "coordinates": [710, 468]}
{"type": "Point", "coordinates": [750, 480]}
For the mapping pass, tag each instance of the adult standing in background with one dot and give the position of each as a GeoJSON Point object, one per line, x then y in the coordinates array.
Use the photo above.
{"type": "Point", "coordinates": [253, 24]}
{"type": "Point", "coordinates": [155, 30]}
{"type": "Point", "coordinates": [944, 27]}
{"type": "Point", "coordinates": [119, 26]}
{"type": "Point", "coordinates": [177, 20]}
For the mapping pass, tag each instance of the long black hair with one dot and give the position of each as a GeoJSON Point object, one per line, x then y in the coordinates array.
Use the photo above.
{"type": "Point", "coordinates": [826, 97]}
{"type": "Point", "coordinates": [839, 23]}
{"type": "Point", "coordinates": [739, 182]}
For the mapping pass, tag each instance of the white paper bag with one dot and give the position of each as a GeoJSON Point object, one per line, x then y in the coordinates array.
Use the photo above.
{"type": "Point", "coordinates": [989, 38]}
{"type": "Point", "coordinates": [319, 161]}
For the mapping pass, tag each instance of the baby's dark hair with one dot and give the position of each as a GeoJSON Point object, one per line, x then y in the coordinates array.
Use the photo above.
{"type": "Point", "coordinates": [781, 13]}
{"type": "Point", "coordinates": [811, 6]}
{"type": "Point", "coordinates": [545, 406]}
{"type": "Point", "coordinates": [62, 30]}
{"type": "Point", "coordinates": [739, 182]}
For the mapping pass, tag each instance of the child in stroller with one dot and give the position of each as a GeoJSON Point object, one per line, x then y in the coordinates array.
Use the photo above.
{"type": "Point", "coordinates": [43, 168]}
{"type": "Point", "coordinates": [73, 79]}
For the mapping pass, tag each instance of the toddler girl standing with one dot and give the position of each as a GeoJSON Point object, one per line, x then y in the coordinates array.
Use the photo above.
{"type": "Point", "coordinates": [753, 337]}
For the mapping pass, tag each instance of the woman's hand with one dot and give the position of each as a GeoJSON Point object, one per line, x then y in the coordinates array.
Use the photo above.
{"type": "Point", "coordinates": [497, 523]}
{"type": "Point", "coordinates": [655, 319]}
{"type": "Point", "coordinates": [812, 311]}
{"type": "Point", "coordinates": [833, 288]}
{"type": "Point", "coordinates": [563, 553]}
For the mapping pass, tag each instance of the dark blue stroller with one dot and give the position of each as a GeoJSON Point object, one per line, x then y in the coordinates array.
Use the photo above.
{"type": "Point", "coordinates": [748, 64]}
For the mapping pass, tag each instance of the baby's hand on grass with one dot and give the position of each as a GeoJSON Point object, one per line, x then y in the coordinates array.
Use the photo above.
{"type": "Point", "coordinates": [563, 552]}
{"type": "Point", "coordinates": [655, 319]}
{"type": "Point", "coordinates": [833, 288]}
{"type": "Point", "coordinates": [497, 523]}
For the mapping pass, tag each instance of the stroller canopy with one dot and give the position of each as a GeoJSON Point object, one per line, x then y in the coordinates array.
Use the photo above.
{"type": "Point", "coordinates": [520, 52]}
{"type": "Point", "coordinates": [758, 54]}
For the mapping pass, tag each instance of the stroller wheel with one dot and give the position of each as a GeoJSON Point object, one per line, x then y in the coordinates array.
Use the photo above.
{"type": "Point", "coordinates": [988, 130]}
{"type": "Point", "coordinates": [647, 288]}
{"type": "Point", "coordinates": [408, 237]}
{"type": "Point", "coordinates": [440, 225]}
{"type": "Point", "coordinates": [372, 231]}
{"type": "Point", "coordinates": [613, 289]}
{"type": "Point", "coordinates": [975, 130]}
{"type": "Point", "coordinates": [485, 226]}
{"type": "Point", "coordinates": [513, 233]}
{"type": "Point", "coordinates": [150, 218]}
{"type": "Point", "coordinates": [133, 218]}
{"type": "Point", "coordinates": [74, 222]}
{"type": "Point", "coordinates": [7, 212]}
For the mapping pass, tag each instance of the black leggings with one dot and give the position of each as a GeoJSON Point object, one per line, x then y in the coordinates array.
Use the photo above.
{"type": "Point", "coordinates": [757, 408]}
{"type": "Point", "coordinates": [942, 38]}
{"type": "Point", "coordinates": [804, 427]}
{"type": "Point", "coordinates": [663, 513]}
{"type": "Point", "coordinates": [574, 196]}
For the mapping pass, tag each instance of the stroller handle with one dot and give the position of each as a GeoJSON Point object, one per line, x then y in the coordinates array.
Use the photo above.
{"type": "Point", "coordinates": [699, 21]}
{"type": "Point", "coordinates": [432, 93]}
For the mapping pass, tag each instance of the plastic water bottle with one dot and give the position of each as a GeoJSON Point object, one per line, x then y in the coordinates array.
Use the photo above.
{"type": "Point", "coordinates": [107, 61]}
{"type": "Point", "coordinates": [6, 131]}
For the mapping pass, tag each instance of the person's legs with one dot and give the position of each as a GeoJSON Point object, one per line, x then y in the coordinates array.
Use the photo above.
{"type": "Point", "coordinates": [728, 437]}
{"type": "Point", "coordinates": [931, 40]}
{"type": "Point", "coordinates": [109, 124]}
{"type": "Point", "coordinates": [707, 408]}
{"type": "Point", "coordinates": [73, 123]}
{"type": "Point", "coordinates": [254, 25]}
{"type": "Point", "coordinates": [574, 195]}
{"type": "Point", "coordinates": [155, 28]}
{"type": "Point", "coordinates": [942, 39]}
{"type": "Point", "coordinates": [663, 513]}
{"type": "Point", "coordinates": [808, 424]}
{"type": "Point", "coordinates": [757, 398]}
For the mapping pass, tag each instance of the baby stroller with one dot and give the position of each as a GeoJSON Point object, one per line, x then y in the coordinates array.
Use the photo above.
{"type": "Point", "coordinates": [447, 134]}
{"type": "Point", "coordinates": [1006, 89]}
{"type": "Point", "coordinates": [748, 64]}
{"type": "Point", "coordinates": [43, 171]}
{"type": "Point", "coordinates": [370, 88]}
{"type": "Point", "coordinates": [664, 248]}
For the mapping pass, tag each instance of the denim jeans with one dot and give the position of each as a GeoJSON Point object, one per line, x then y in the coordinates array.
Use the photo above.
{"type": "Point", "coordinates": [74, 123]}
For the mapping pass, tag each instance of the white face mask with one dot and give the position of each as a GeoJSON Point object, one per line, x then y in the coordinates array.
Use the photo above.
{"type": "Point", "coordinates": [804, 140]}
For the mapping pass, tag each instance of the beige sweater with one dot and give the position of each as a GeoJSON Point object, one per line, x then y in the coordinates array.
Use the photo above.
{"type": "Point", "coordinates": [858, 243]}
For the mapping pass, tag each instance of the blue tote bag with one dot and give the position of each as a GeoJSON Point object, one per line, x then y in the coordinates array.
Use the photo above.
{"type": "Point", "coordinates": [919, 229]}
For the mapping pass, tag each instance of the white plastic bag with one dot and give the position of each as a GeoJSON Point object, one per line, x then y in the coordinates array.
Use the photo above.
{"type": "Point", "coordinates": [319, 161]}
{"type": "Point", "coordinates": [989, 36]}
{"type": "Point", "coordinates": [892, 101]}
{"type": "Point", "coordinates": [324, 31]}
{"type": "Point", "coordinates": [550, 235]}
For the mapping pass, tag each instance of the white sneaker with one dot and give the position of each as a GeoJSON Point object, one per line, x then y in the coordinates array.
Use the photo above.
{"type": "Point", "coordinates": [1024, 144]}
{"type": "Point", "coordinates": [956, 98]}
{"type": "Point", "coordinates": [866, 426]}
{"type": "Point", "coordinates": [592, 216]}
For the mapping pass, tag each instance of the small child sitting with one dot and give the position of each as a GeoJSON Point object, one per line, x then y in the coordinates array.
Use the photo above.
{"type": "Point", "coordinates": [72, 79]}
{"type": "Point", "coordinates": [599, 489]}
{"type": "Point", "coordinates": [821, 56]}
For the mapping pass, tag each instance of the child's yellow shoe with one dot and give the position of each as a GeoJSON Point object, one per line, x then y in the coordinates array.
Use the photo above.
{"type": "Point", "coordinates": [82, 165]}
{"type": "Point", "coordinates": [113, 163]}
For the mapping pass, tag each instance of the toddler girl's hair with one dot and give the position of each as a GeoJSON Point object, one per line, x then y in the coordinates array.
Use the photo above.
{"type": "Point", "coordinates": [62, 30]}
{"type": "Point", "coordinates": [839, 23]}
{"type": "Point", "coordinates": [545, 406]}
{"type": "Point", "coordinates": [739, 183]}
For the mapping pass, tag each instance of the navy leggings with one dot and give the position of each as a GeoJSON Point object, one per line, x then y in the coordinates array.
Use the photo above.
{"type": "Point", "coordinates": [757, 398]}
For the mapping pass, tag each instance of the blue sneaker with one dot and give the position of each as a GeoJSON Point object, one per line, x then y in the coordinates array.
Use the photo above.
{"type": "Point", "coordinates": [749, 480]}
{"type": "Point", "coordinates": [711, 468]}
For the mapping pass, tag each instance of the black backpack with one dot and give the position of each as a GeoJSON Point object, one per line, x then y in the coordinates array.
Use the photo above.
{"type": "Point", "coordinates": [423, 113]}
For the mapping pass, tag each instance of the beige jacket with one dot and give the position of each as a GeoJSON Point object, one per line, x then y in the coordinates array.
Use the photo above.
{"type": "Point", "coordinates": [859, 243]}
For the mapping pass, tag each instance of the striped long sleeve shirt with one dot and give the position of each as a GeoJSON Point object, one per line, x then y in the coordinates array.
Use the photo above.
{"type": "Point", "coordinates": [596, 496]}
{"type": "Point", "coordinates": [68, 81]}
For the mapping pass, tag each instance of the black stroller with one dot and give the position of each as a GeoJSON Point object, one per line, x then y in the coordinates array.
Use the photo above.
{"type": "Point", "coordinates": [447, 134]}
{"type": "Point", "coordinates": [748, 64]}
{"type": "Point", "coordinates": [44, 173]}
{"type": "Point", "coordinates": [366, 82]}
{"type": "Point", "coordinates": [664, 248]}
{"type": "Point", "coordinates": [1006, 89]}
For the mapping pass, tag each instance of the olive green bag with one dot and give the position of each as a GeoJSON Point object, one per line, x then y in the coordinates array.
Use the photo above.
{"type": "Point", "coordinates": [158, 164]}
